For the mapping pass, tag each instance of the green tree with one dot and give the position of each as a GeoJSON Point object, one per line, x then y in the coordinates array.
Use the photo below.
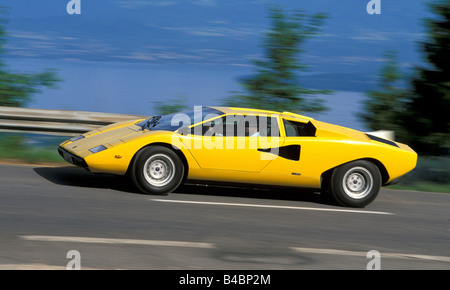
{"type": "Point", "coordinates": [275, 84]}
{"type": "Point", "coordinates": [385, 106]}
{"type": "Point", "coordinates": [16, 89]}
{"type": "Point", "coordinates": [174, 105]}
{"type": "Point", "coordinates": [428, 120]}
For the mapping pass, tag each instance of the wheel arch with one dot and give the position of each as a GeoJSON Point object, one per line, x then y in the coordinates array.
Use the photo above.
{"type": "Point", "coordinates": [383, 171]}
{"type": "Point", "coordinates": [325, 177]}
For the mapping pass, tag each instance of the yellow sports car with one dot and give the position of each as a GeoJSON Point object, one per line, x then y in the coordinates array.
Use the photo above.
{"type": "Point", "coordinates": [246, 147]}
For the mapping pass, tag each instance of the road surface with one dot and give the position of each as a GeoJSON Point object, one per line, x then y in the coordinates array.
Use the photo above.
{"type": "Point", "coordinates": [55, 217]}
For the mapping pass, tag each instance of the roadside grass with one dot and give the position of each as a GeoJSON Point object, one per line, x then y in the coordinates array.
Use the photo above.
{"type": "Point", "coordinates": [423, 186]}
{"type": "Point", "coordinates": [29, 148]}
{"type": "Point", "coordinates": [432, 173]}
{"type": "Point", "coordinates": [34, 156]}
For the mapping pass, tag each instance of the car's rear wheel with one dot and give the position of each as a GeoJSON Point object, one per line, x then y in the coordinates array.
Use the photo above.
{"type": "Point", "coordinates": [355, 184]}
{"type": "Point", "coordinates": [157, 170]}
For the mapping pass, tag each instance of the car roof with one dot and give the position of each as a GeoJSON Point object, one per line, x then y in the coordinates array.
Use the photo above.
{"type": "Point", "coordinates": [289, 115]}
{"type": "Point", "coordinates": [236, 110]}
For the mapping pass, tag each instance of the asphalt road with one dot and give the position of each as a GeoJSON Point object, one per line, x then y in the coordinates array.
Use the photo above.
{"type": "Point", "coordinates": [47, 212]}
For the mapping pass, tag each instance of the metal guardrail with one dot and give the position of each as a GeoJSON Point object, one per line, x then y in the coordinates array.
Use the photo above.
{"type": "Point", "coordinates": [56, 122]}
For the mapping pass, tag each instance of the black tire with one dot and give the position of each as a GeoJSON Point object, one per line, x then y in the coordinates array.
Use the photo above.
{"type": "Point", "coordinates": [355, 184]}
{"type": "Point", "coordinates": [157, 170]}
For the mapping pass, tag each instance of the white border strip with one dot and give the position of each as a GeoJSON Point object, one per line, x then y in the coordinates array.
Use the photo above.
{"type": "Point", "coordinates": [118, 241]}
{"type": "Point", "coordinates": [273, 206]}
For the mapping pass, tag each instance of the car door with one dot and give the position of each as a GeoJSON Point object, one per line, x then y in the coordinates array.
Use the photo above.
{"type": "Point", "coordinates": [226, 143]}
{"type": "Point", "coordinates": [296, 161]}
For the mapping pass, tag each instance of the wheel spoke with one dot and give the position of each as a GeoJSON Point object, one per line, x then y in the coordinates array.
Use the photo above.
{"type": "Point", "coordinates": [159, 170]}
{"type": "Point", "coordinates": [357, 182]}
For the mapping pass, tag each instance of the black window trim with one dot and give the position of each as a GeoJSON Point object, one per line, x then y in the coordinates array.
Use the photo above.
{"type": "Point", "coordinates": [277, 126]}
{"type": "Point", "coordinates": [306, 124]}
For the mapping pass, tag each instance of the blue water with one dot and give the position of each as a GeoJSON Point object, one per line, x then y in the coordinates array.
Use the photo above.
{"type": "Point", "coordinates": [133, 88]}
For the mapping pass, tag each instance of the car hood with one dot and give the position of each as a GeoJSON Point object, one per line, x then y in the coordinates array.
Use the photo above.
{"type": "Point", "coordinates": [108, 136]}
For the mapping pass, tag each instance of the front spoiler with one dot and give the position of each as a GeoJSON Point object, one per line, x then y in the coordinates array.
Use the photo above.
{"type": "Point", "coordinates": [71, 158]}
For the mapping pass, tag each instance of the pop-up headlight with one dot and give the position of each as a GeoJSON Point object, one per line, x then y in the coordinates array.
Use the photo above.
{"type": "Point", "coordinates": [98, 149]}
{"type": "Point", "coordinates": [76, 138]}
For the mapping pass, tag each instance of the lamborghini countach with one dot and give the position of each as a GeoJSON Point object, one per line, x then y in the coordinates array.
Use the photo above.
{"type": "Point", "coordinates": [242, 146]}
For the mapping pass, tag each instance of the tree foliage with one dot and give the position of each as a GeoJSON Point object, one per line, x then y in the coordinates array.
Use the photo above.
{"type": "Point", "coordinates": [428, 120]}
{"type": "Point", "coordinates": [16, 89]}
{"type": "Point", "coordinates": [420, 113]}
{"type": "Point", "coordinates": [385, 106]}
{"type": "Point", "coordinates": [176, 104]}
{"type": "Point", "coordinates": [275, 84]}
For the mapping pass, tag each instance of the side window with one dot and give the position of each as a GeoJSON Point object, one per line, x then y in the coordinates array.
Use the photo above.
{"type": "Point", "coordinates": [299, 129]}
{"type": "Point", "coordinates": [211, 128]}
{"type": "Point", "coordinates": [268, 127]}
{"type": "Point", "coordinates": [254, 126]}
{"type": "Point", "coordinates": [239, 126]}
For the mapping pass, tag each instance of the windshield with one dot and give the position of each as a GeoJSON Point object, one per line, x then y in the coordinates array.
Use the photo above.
{"type": "Point", "coordinates": [175, 121]}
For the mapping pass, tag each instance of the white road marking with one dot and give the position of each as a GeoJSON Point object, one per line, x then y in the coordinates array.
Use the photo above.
{"type": "Point", "coordinates": [273, 206]}
{"type": "Point", "coordinates": [210, 246]}
{"type": "Point", "coordinates": [118, 241]}
{"type": "Point", "coordinates": [383, 255]}
{"type": "Point", "coordinates": [37, 267]}
{"type": "Point", "coordinates": [30, 267]}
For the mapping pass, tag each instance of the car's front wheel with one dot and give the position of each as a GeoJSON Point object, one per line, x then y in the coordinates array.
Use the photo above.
{"type": "Point", "coordinates": [157, 170]}
{"type": "Point", "coordinates": [355, 184]}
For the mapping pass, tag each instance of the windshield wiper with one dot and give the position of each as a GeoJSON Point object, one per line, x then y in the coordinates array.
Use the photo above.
{"type": "Point", "coordinates": [152, 122]}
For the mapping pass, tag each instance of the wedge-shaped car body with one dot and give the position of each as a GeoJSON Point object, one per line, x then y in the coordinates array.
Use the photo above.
{"type": "Point", "coordinates": [245, 147]}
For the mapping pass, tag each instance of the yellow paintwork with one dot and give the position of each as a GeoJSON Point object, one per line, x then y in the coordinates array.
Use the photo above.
{"type": "Point", "coordinates": [236, 159]}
